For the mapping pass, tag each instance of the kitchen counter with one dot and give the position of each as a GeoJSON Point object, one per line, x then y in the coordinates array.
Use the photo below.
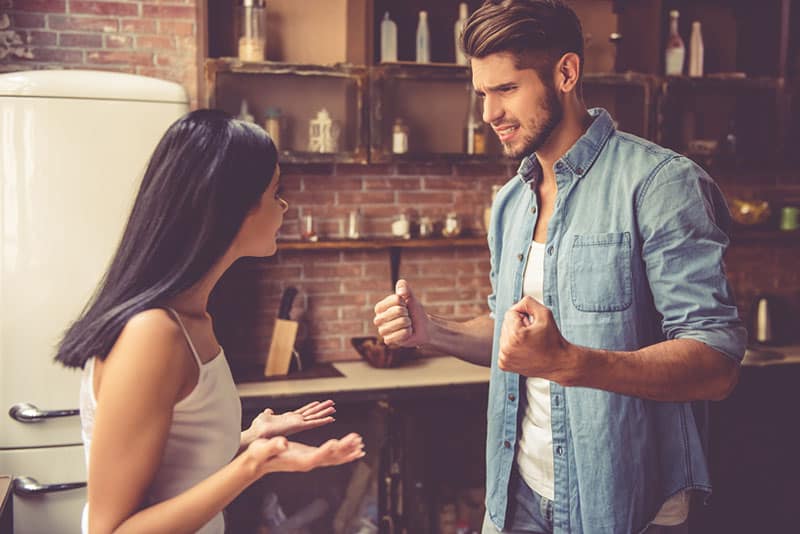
{"type": "Point", "coordinates": [789, 354]}
{"type": "Point", "coordinates": [364, 381]}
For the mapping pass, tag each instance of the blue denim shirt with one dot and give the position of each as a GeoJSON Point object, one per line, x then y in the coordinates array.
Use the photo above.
{"type": "Point", "coordinates": [633, 257]}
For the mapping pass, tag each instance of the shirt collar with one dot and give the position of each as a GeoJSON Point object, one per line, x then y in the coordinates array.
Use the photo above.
{"type": "Point", "coordinates": [580, 157]}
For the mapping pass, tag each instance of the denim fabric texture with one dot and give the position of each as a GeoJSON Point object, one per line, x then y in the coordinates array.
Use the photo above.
{"type": "Point", "coordinates": [633, 257]}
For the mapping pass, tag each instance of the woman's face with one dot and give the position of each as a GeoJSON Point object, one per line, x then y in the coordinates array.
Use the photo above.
{"type": "Point", "coordinates": [259, 230]}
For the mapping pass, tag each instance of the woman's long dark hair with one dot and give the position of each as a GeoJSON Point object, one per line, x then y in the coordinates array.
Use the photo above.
{"type": "Point", "coordinates": [207, 172]}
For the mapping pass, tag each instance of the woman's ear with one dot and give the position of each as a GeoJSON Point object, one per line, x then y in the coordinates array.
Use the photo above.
{"type": "Point", "coordinates": [569, 69]}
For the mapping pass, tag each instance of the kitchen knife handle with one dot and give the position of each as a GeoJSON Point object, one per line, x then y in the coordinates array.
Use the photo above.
{"type": "Point", "coordinates": [26, 486]}
{"type": "Point", "coordinates": [28, 413]}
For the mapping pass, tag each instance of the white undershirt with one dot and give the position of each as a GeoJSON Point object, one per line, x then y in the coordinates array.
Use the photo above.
{"type": "Point", "coordinates": [535, 447]}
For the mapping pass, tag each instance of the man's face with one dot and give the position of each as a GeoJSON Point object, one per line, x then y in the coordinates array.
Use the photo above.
{"type": "Point", "coordinates": [522, 109]}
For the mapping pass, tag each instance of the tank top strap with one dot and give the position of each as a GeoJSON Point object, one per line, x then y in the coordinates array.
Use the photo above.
{"type": "Point", "coordinates": [186, 335]}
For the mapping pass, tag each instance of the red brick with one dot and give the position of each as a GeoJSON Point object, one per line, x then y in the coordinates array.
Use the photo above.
{"type": "Point", "coordinates": [81, 40]}
{"type": "Point", "coordinates": [154, 41]}
{"type": "Point", "coordinates": [337, 300]}
{"type": "Point", "coordinates": [177, 28]}
{"type": "Point", "coordinates": [82, 23]}
{"type": "Point", "coordinates": [42, 38]}
{"type": "Point", "coordinates": [324, 344]}
{"type": "Point", "coordinates": [307, 168]}
{"type": "Point", "coordinates": [138, 26]}
{"type": "Point", "coordinates": [117, 40]}
{"type": "Point", "coordinates": [119, 9]}
{"type": "Point", "coordinates": [357, 169]}
{"type": "Point", "coordinates": [169, 12]}
{"type": "Point", "coordinates": [420, 197]}
{"type": "Point", "coordinates": [27, 20]}
{"type": "Point", "coordinates": [361, 198]}
{"type": "Point", "coordinates": [126, 58]}
{"type": "Point", "coordinates": [337, 327]}
{"type": "Point", "coordinates": [57, 55]}
{"type": "Point", "coordinates": [317, 183]}
{"type": "Point", "coordinates": [447, 183]}
{"type": "Point", "coordinates": [394, 183]}
{"type": "Point", "coordinates": [41, 6]}
{"type": "Point", "coordinates": [424, 169]}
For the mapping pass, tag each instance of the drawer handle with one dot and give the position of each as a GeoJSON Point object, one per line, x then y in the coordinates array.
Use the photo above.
{"type": "Point", "coordinates": [28, 413]}
{"type": "Point", "coordinates": [26, 486]}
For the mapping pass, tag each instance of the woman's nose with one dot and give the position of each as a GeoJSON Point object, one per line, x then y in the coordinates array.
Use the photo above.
{"type": "Point", "coordinates": [284, 204]}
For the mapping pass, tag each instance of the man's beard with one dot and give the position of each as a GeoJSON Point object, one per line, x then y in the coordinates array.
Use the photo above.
{"type": "Point", "coordinates": [552, 112]}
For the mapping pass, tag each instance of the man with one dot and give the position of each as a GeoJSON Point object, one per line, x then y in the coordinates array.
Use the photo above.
{"type": "Point", "coordinates": [610, 308]}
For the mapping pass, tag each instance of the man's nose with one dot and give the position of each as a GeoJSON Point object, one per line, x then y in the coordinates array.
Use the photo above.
{"type": "Point", "coordinates": [492, 110]}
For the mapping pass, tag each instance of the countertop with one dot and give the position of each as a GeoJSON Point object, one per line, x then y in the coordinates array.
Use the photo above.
{"type": "Point", "coordinates": [359, 377]}
{"type": "Point", "coordinates": [788, 354]}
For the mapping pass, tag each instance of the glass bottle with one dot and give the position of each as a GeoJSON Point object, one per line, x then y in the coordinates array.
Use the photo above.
{"type": "Point", "coordinates": [388, 39]}
{"type": "Point", "coordinates": [308, 232]}
{"type": "Point", "coordinates": [475, 129]}
{"type": "Point", "coordinates": [272, 124]}
{"type": "Point", "coordinates": [463, 13]}
{"type": "Point", "coordinates": [399, 137]}
{"type": "Point", "coordinates": [696, 51]}
{"type": "Point", "coordinates": [252, 30]}
{"type": "Point", "coordinates": [423, 39]}
{"type": "Point", "coordinates": [675, 52]}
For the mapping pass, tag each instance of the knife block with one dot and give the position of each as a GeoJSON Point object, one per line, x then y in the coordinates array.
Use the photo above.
{"type": "Point", "coordinates": [280, 348]}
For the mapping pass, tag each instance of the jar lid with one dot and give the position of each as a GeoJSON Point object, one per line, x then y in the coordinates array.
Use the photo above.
{"type": "Point", "coordinates": [253, 3]}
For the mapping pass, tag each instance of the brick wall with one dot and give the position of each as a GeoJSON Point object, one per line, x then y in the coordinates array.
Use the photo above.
{"type": "Point", "coordinates": [155, 38]}
{"type": "Point", "coordinates": [338, 289]}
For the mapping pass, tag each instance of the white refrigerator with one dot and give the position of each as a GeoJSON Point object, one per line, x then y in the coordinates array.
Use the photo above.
{"type": "Point", "coordinates": [73, 148]}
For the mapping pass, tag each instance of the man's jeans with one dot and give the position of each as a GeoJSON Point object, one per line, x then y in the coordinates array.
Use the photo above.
{"type": "Point", "coordinates": [530, 513]}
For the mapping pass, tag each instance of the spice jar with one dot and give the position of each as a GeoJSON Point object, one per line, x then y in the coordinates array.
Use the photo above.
{"type": "Point", "coordinates": [252, 30]}
{"type": "Point", "coordinates": [452, 226]}
{"type": "Point", "coordinates": [399, 137]}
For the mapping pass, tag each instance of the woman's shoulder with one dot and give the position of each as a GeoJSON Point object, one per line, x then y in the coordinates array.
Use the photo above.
{"type": "Point", "coordinates": [152, 336]}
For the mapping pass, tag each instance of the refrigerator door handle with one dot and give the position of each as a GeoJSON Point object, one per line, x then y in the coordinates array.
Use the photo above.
{"type": "Point", "coordinates": [26, 486]}
{"type": "Point", "coordinates": [28, 413]}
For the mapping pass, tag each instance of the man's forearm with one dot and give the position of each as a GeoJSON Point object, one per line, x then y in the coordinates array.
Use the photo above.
{"type": "Point", "coordinates": [678, 370]}
{"type": "Point", "coordinates": [470, 340]}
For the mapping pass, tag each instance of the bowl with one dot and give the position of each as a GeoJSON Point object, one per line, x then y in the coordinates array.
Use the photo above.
{"type": "Point", "coordinates": [379, 354]}
{"type": "Point", "coordinates": [749, 212]}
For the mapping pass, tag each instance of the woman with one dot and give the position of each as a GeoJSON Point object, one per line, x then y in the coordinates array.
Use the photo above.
{"type": "Point", "coordinates": [159, 409]}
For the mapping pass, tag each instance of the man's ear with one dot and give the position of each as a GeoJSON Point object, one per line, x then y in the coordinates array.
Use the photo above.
{"type": "Point", "coordinates": [569, 68]}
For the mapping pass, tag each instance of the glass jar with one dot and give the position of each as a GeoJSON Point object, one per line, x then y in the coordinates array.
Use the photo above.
{"type": "Point", "coordinates": [252, 30]}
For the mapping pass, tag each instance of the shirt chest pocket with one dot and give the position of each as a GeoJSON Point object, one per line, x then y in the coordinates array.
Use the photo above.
{"type": "Point", "coordinates": [600, 272]}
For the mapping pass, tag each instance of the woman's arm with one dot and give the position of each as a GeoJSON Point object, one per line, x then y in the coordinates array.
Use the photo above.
{"type": "Point", "coordinates": [147, 371]}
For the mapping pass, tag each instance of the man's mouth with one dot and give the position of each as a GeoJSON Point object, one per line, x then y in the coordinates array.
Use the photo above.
{"type": "Point", "coordinates": [505, 133]}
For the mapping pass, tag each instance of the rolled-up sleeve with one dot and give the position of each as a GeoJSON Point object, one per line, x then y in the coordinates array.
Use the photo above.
{"type": "Point", "coordinates": [683, 219]}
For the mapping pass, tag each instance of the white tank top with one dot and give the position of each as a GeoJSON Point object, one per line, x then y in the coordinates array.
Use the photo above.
{"type": "Point", "coordinates": [535, 447]}
{"type": "Point", "coordinates": [204, 435]}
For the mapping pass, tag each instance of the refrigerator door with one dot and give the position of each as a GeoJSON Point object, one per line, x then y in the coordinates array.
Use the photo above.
{"type": "Point", "coordinates": [69, 168]}
{"type": "Point", "coordinates": [58, 511]}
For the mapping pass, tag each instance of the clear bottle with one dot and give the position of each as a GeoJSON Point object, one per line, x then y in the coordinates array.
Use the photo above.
{"type": "Point", "coordinates": [244, 113]}
{"type": "Point", "coordinates": [463, 13]}
{"type": "Point", "coordinates": [423, 39]}
{"type": "Point", "coordinates": [696, 51]}
{"type": "Point", "coordinates": [252, 30]}
{"type": "Point", "coordinates": [475, 129]}
{"type": "Point", "coordinates": [675, 52]}
{"type": "Point", "coordinates": [388, 39]}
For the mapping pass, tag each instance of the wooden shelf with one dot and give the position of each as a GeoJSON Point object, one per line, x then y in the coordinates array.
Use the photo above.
{"type": "Point", "coordinates": [382, 244]}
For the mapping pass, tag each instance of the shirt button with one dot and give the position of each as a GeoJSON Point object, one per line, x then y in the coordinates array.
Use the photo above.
{"type": "Point", "coordinates": [555, 400]}
{"type": "Point", "coordinates": [579, 170]}
{"type": "Point", "coordinates": [559, 450]}
{"type": "Point", "coordinates": [533, 209]}
{"type": "Point", "coordinates": [506, 444]}
{"type": "Point", "coordinates": [519, 257]}
{"type": "Point", "coordinates": [512, 397]}
{"type": "Point", "coordinates": [550, 250]}
{"type": "Point", "coordinates": [559, 166]}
